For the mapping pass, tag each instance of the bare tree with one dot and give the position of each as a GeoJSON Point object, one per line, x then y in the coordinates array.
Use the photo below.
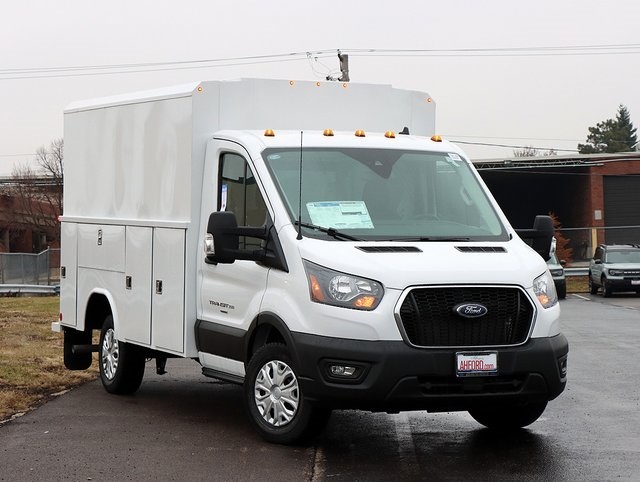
{"type": "Point", "coordinates": [37, 192]}
{"type": "Point", "coordinates": [526, 151]}
{"type": "Point", "coordinates": [529, 151]}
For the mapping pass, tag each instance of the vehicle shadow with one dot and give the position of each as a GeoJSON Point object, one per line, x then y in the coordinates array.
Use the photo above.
{"type": "Point", "coordinates": [423, 446]}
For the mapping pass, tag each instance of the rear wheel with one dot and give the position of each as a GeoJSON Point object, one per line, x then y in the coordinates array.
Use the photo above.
{"type": "Point", "coordinates": [275, 401]}
{"type": "Point", "coordinates": [121, 364]}
{"type": "Point", "coordinates": [509, 418]}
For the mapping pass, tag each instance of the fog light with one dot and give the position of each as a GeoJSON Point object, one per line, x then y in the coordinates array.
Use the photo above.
{"type": "Point", "coordinates": [562, 366]}
{"type": "Point", "coordinates": [342, 371]}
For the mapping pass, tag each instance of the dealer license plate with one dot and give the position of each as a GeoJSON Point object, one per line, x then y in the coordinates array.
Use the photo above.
{"type": "Point", "coordinates": [475, 364]}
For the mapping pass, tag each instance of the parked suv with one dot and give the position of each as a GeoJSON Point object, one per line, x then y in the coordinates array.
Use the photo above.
{"type": "Point", "coordinates": [615, 267]}
{"type": "Point", "coordinates": [557, 272]}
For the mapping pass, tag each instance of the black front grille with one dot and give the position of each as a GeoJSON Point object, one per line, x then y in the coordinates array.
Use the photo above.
{"type": "Point", "coordinates": [429, 318]}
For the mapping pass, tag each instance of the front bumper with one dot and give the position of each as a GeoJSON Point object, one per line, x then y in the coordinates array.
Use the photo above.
{"type": "Point", "coordinates": [392, 376]}
{"type": "Point", "coordinates": [623, 284]}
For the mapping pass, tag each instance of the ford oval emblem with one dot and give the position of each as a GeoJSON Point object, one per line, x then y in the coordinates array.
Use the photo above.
{"type": "Point", "coordinates": [471, 310]}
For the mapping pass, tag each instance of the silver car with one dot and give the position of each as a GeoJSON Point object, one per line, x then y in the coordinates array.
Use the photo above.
{"type": "Point", "coordinates": [615, 267]}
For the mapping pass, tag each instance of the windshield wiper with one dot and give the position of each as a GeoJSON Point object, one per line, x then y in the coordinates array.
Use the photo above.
{"type": "Point", "coordinates": [330, 231]}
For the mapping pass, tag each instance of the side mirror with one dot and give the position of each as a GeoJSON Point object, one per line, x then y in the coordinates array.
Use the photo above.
{"type": "Point", "coordinates": [223, 239]}
{"type": "Point", "coordinates": [540, 238]}
{"type": "Point", "coordinates": [221, 243]}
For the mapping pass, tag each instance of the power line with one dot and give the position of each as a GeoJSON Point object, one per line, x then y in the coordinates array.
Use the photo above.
{"type": "Point", "coordinates": [516, 138]}
{"type": "Point", "coordinates": [109, 69]}
{"type": "Point", "coordinates": [512, 146]}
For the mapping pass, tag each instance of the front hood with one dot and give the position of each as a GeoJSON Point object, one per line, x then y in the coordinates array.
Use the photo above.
{"type": "Point", "coordinates": [623, 267]}
{"type": "Point", "coordinates": [398, 265]}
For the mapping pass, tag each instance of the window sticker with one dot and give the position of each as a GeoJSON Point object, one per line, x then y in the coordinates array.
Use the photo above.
{"type": "Point", "coordinates": [454, 156]}
{"type": "Point", "coordinates": [223, 198]}
{"type": "Point", "coordinates": [340, 214]}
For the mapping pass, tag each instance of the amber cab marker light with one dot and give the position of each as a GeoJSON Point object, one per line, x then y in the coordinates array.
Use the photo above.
{"type": "Point", "coordinates": [429, 99]}
{"type": "Point", "coordinates": [436, 138]}
{"type": "Point", "coordinates": [360, 133]}
{"type": "Point", "coordinates": [269, 133]}
{"type": "Point", "coordinates": [327, 132]}
{"type": "Point", "coordinates": [292, 83]}
{"type": "Point", "coordinates": [390, 134]}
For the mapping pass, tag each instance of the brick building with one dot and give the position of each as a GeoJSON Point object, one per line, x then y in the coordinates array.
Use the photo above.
{"type": "Point", "coordinates": [26, 228]}
{"type": "Point", "coordinates": [596, 197]}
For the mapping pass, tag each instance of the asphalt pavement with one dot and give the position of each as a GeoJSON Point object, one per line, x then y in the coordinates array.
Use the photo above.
{"type": "Point", "coordinates": [183, 426]}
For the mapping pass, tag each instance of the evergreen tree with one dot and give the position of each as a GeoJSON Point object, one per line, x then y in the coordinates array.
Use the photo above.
{"type": "Point", "coordinates": [611, 135]}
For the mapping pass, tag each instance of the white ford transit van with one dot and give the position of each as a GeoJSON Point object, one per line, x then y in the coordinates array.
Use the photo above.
{"type": "Point", "coordinates": [315, 242]}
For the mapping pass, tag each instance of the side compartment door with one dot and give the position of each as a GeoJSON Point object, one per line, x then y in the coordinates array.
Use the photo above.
{"type": "Point", "coordinates": [168, 289]}
{"type": "Point", "coordinates": [69, 273]}
{"type": "Point", "coordinates": [231, 294]}
{"type": "Point", "coordinates": [136, 313]}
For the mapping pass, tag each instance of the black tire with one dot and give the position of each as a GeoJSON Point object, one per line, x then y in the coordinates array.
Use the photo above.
{"type": "Point", "coordinates": [274, 399]}
{"type": "Point", "coordinates": [76, 361]}
{"type": "Point", "coordinates": [606, 288]}
{"type": "Point", "coordinates": [562, 291]}
{"type": "Point", "coordinates": [509, 418]}
{"type": "Point", "coordinates": [121, 364]}
{"type": "Point", "coordinates": [593, 289]}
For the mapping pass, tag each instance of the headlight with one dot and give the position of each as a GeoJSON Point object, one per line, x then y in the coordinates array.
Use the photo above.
{"type": "Point", "coordinates": [341, 289]}
{"type": "Point", "coordinates": [616, 272]}
{"type": "Point", "coordinates": [545, 290]}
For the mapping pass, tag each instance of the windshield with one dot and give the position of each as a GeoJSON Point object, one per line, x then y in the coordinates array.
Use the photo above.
{"type": "Point", "coordinates": [626, 256]}
{"type": "Point", "coordinates": [382, 194]}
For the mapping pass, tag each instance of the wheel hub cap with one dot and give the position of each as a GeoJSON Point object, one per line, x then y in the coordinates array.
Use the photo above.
{"type": "Point", "coordinates": [276, 393]}
{"type": "Point", "coordinates": [109, 354]}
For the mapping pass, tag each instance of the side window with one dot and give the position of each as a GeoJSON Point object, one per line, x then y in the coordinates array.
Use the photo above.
{"type": "Point", "coordinates": [598, 254]}
{"type": "Point", "coordinates": [239, 193]}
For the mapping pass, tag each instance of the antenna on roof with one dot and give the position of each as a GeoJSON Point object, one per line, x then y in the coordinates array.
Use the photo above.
{"type": "Point", "coordinates": [344, 68]}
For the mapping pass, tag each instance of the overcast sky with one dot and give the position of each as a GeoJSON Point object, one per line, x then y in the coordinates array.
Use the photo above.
{"type": "Point", "coordinates": [499, 70]}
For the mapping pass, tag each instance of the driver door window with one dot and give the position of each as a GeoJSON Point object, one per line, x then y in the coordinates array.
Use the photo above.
{"type": "Point", "coordinates": [239, 193]}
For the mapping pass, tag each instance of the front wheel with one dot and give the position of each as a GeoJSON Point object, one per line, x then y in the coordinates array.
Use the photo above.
{"type": "Point", "coordinates": [275, 401]}
{"type": "Point", "coordinates": [509, 418]}
{"type": "Point", "coordinates": [562, 291]}
{"type": "Point", "coordinates": [593, 289]}
{"type": "Point", "coordinates": [606, 288]}
{"type": "Point", "coordinates": [121, 364]}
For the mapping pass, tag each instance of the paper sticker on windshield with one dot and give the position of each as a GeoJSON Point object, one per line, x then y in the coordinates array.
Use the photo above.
{"type": "Point", "coordinates": [340, 214]}
{"type": "Point", "coordinates": [454, 156]}
{"type": "Point", "coordinates": [223, 198]}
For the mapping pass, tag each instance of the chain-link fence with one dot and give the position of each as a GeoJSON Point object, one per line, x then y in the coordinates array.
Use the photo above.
{"type": "Point", "coordinates": [30, 269]}
{"type": "Point", "coordinates": [583, 241]}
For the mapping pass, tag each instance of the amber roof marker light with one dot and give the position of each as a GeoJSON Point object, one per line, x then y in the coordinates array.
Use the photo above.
{"type": "Point", "coordinates": [327, 132]}
{"type": "Point", "coordinates": [390, 135]}
{"type": "Point", "coordinates": [436, 138]}
{"type": "Point", "coordinates": [360, 133]}
{"type": "Point", "coordinates": [269, 133]}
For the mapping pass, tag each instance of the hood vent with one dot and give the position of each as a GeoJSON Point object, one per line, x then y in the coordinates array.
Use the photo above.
{"type": "Point", "coordinates": [481, 249]}
{"type": "Point", "coordinates": [389, 249]}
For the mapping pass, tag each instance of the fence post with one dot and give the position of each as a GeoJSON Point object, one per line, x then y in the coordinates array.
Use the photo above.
{"type": "Point", "coordinates": [48, 267]}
